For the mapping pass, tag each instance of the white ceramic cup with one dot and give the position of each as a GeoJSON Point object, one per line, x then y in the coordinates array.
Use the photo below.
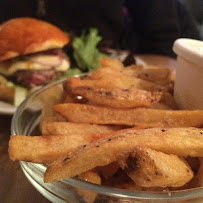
{"type": "Point", "coordinates": [188, 91]}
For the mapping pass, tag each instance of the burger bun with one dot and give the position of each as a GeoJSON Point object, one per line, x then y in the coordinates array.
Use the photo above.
{"type": "Point", "coordinates": [21, 36]}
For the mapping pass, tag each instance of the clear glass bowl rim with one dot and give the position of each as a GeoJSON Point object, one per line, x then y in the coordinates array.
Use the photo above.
{"type": "Point", "coordinates": [187, 194]}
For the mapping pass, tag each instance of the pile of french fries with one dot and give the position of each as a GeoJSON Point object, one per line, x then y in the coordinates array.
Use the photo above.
{"type": "Point", "coordinates": [120, 127]}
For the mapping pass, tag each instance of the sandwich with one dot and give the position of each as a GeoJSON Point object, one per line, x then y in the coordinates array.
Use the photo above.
{"type": "Point", "coordinates": [31, 52]}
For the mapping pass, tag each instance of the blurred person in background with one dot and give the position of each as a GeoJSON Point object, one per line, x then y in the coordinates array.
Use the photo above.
{"type": "Point", "coordinates": [141, 26]}
{"type": "Point", "coordinates": [196, 9]}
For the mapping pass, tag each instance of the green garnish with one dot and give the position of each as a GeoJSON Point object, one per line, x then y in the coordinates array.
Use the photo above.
{"type": "Point", "coordinates": [86, 53]}
{"type": "Point", "coordinates": [72, 71]}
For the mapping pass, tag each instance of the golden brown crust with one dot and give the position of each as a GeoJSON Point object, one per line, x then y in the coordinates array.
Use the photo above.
{"type": "Point", "coordinates": [22, 36]}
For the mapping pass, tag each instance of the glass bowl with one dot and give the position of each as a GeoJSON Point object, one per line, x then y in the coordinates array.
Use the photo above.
{"type": "Point", "coordinates": [26, 121]}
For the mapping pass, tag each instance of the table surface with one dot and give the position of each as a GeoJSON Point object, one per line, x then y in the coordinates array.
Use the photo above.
{"type": "Point", "coordinates": [14, 187]}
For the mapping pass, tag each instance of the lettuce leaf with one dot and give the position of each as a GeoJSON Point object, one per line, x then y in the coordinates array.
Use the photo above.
{"type": "Point", "coordinates": [72, 71]}
{"type": "Point", "coordinates": [85, 51]}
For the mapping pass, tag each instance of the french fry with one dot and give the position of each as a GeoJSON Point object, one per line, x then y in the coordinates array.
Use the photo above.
{"type": "Point", "coordinates": [92, 177]}
{"type": "Point", "coordinates": [111, 63]}
{"type": "Point", "coordinates": [193, 183]}
{"type": "Point", "coordinates": [46, 149]}
{"type": "Point", "coordinates": [130, 117]}
{"type": "Point", "coordinates": [149, 168]}
{"type": "Point", "coordinates": [112, 81]}
{"type": "Point", "coordinates": [118, 98]}
{"type": "Point", "coordinates": [43, 149]}
{"type": "Point", "coordinates": [89, 82]}
{"type": "Point", "coordinates": [68, 98]}
{"type": "Point", "coordinates": [128, 77]}
{"type": "Point", "coordinates": [158, 75]}
{"type": "Point", "coordinates": [49, 119]}
{"type": "Point", "coordinates": [168, 100]}
{"type": "Point", "coordinates": [177, 141]}
{"type": "Point", "coordinates": [119, 178]}
{"type": "Point", "coordinates": [109, 170]}
{"type": "Point", "coordinates": [131, 71]}
{"type": "Point", "coordinates": [67, 128]}
{"type": "Point", "coordinates": [72, 84]}
{"type": "Point", "coordinates": [154, 74]}
{"type": "Point", "coordinates": [110, 78]}
{"type": "Point", "coordinates": [53, 98]}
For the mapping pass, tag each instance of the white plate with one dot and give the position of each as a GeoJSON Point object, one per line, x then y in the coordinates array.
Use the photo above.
{"type": "Point", "coordinates": [7, 109]}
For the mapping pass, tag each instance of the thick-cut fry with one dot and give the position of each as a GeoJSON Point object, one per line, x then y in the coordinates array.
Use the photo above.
{"type": "Point", "coordinates": [82, 113]}
{"type": "Point", "coordinates": [46, 149]}
{"type": "Point", "coordinates": [77, 85]}
{"type": "Point", "coordinates": [118, 98]}
{"type": "Point", "coordinates": [109, 170]}
{"type": "Point", "coordinates": [43, 149]}
{"type": "Point", "coordinates": [74, 99]}
{"type": "Point", "coordinates": [55, 96]}
{"type": "Point", "coordinates": [118, 178]}
{"type": "Point", "coordinates": [80, 81]}
{"type": "Point", "coordinates": [178, 141]}
{"type": "Point", "coordinates": [49, 119]}
{"type": "Point", "coordinates": [111, 63]}
{"type": "Point", "coordinates": [149, 168]}
{"type": "Point", "coordinates": [92, 177]}
{"type": "Point", "coordinates": [145, 74]}
{"type": "Point", "coordinates": [168, 100]}
{"type": "Point", "coordinates": [116, 81]}
{"type": "Point", "coordinates": [193, 183]}
{"type": "Point", "coordinates": [150, 73]}
{"type": "Point", "coordinates": [126, 78]}
{"type": "Point", "coordinates": [155, 74]}
{"type": "Point", "coordinates": [110, 78]}
{"type": "Point", "coordinates": [67, 128]}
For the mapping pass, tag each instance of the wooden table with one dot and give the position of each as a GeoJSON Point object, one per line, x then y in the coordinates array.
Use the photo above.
{"type": "Point", "coordinates": [14, 186]}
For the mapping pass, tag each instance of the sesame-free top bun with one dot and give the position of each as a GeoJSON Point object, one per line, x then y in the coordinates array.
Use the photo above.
{"type": "Point", "coordinates": [22, 36]}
